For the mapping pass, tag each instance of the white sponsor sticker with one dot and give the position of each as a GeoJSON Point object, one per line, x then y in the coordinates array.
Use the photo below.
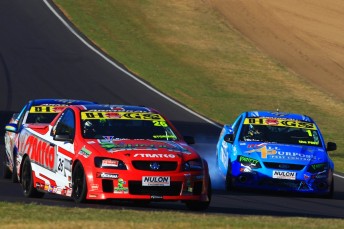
{"type": "Point", "coordinates": [156, 181]}
{"type": "Point", "coordinates": [286, 175]}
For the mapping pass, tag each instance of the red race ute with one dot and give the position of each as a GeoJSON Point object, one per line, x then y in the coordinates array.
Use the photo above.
{"type": "Point", "coordinates": [98, 152]}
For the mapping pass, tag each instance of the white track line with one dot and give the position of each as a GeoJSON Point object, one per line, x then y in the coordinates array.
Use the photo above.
{"type": "Point", "coordinates": [337, 175]}
{"type": "Point", "coordinates": [128, 73]}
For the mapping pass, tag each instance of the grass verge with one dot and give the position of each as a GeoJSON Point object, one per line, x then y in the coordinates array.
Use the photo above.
{"type": "Point", "coordinates": [38, 216]}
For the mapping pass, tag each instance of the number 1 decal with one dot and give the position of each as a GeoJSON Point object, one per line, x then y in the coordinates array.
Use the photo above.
{"type": "Point", "coordinates": [309, 133]}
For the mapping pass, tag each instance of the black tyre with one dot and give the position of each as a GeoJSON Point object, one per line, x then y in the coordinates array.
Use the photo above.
{"type": "Point", "coordinates": [6, 172]}
{"type": "Point", "coordinates": [229, 179]}
{"type": "Point", "coordinates": [14, 170]}
{"type": "Point", "coordinates": [331, 193]}
{"type": "Point", "coordinates": [27, 181]}
{"type": "Point", "coordinates": [79, 187]}
{"type": "Point", "coordinates": [200, 205]}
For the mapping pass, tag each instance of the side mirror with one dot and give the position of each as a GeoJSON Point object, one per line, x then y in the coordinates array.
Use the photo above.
{"type": "Point", "coordinates": [15, 116]}
{"type": "Point", "coordinates": [228, 138]}
{"type": "Point", "coordinates": [11, 127]}
{"type": "Point", "coordinates": [63, 138]}
{"type": "Point", "coordinates": [189, 140]}
{"type": "Point", "coordinates": [331, 146]}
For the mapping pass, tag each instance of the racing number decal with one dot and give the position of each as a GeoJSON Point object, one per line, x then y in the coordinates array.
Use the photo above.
{"type": "Point", "coordinates": [94, 115]}
{"type": "Point", "coordinates": [160, 123]}
{"type": "Point", "coordinates": [309, 133]}
{"type": "Point", "coordinates": [60, 166]}
{"type": "Point", "coordinates": [41, 109]}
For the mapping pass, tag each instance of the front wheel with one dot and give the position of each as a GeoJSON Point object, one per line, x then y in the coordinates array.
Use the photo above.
{"type": "Point", "coordinates": [79, 190]}
{"type": "Point", "coordinates": [229, 178]}
{"type": "Point", "coordinates": [331, 192]}
{"type": "Point", "coordinates": [200, 205]}
{"type": "Point", "coordinates": [27, 181]}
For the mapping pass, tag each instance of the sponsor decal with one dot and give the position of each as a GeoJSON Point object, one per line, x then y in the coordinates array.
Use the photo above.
{"type": "Point", "coordinates": [106, 175]}
{"type": "Point", "coordinates": [109, 163]}
{"type": "Point", "coordinates": [293, 156]}
{"type": "Point", "coordinates": [155, 155]}
{"type": "Point", "coordinates": [308, 142]}
{"type": "Point", "coordinates": [113, 115]}
{"type": "Point", "coordinates": [108, 145]}
{"type": "Point", "coordinates": [320, 166]}
{"type": "Point", "coordinates": [117, 108]}
{"type": "Point", "coordinates": [155, 181]}
{"type": "Point", "coordinates": [39, 151]}
{"type": "Point", "coordinates": [121, 188]}
{"type": "Point", "coordinates": [280, 122]}
{"type": "Point", "coordinates": [264, 151]}
{"type": "Point", "coordinates": [164, 137]}
{"type": "Point", "coordinates": [286, 175]}
{"type": "Point", "coordinates": [120, 115]}
{"type": "Point", "coordinates": [94, 187]}
{"type": "Point", "coordinates": [69, 192]}
{"type": "Point", "coordinates": [275, 153]}
{"type": "Point", "coordinates": [85, 152]}
{"type": "Point", "coordinates": [243, 159]}
{"type": "Point", "coordinates": [155, 197]}
{"type": "Point", "coordinates": [271, 121]}
{"type": "Point", "coordinates": [47, 108]}
{"type": "Point", "coordinates": [321, 176]}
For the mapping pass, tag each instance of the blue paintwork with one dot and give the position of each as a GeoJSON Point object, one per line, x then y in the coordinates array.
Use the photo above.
{"type": "Point", "coordinates": [300, 167]}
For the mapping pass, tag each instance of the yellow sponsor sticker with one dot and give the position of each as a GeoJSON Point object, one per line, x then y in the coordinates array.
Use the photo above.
{"type": "Point", "coordinates": [121, 115]}
{"type": "Point", "coordinates": [47, 109]}
{"type": "Point", "coordinates": [263, 151]}
{"type": "Point", "coordinates": [280, 122]}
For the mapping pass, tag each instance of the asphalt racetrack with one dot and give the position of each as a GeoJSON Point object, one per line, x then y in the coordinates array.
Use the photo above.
{"type": "Point", "coordinates": [41, 56]}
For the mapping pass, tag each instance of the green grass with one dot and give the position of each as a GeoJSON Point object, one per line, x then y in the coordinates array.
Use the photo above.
{"type": "Point", "coordinates": [37, 216]}
{"type": "Point", "coordinates": [188, 51]}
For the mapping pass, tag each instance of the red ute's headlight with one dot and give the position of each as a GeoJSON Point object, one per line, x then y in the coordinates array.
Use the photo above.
{"type": "Point", "coordinates": [109, 163]}
{"type": "Point", "coordinates": [193, 165]}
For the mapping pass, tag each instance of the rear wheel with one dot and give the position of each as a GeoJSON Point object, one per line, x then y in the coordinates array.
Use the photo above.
{"type": "Point", "coordinates": [6, 172]}
{"type": "Point", "coordinates": [27, 181]}
{"type": "Point", "coordinates": [200, 205]}
{"type": "Point", "coordinates": [79, 184]}
{"type": "Point", "coordinates": [14, 170]}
